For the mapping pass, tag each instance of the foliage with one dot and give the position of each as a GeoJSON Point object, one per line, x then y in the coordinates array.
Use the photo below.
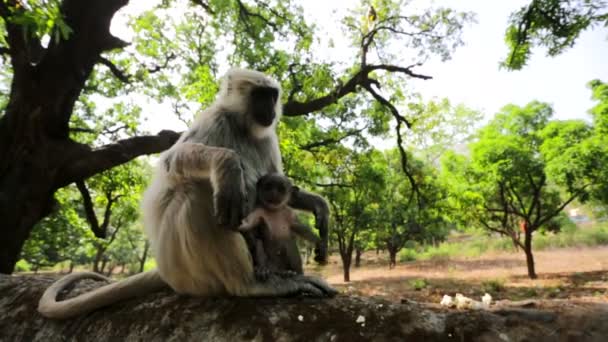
{"type": "Point", "coordinates": [553, 24]}
{"type": "Point", "coordinates": [177, 52]}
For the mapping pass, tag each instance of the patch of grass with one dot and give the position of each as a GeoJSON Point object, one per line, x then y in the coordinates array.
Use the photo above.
{"type": "Point", "coordinates": [554, 291]}
{"type": "Point", "coordinates": [479, 243]}
{"type": "Point", "coordinates": [419, 284]}
{"type": "Point", "coordinates": [493, 286]}
{"type": "Point", "coordinates": [526, 293]}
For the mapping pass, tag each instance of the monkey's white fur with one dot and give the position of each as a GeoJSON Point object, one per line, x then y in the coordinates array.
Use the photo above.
{"type": "Point", "coordinates": [194, 255]}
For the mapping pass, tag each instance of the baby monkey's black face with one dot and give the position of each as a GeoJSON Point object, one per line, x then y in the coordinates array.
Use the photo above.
{"type": "Point", "coordinates": [262, 104]}
{"type": "Point", "coordinates": [274, 190]}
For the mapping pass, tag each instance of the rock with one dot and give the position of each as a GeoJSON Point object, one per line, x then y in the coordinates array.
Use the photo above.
{"type": "Point", "coordinates": [166, 316]}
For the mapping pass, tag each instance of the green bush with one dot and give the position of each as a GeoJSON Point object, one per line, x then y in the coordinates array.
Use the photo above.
{"type": "Point", "coordinates": [408, 254]}
{"type": "Point", "coordinates": [22, 266]}
{"type": "Point", "coordinates": [595, 237]}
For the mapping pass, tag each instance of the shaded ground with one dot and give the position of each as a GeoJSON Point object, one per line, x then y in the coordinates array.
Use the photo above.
{"type": "Point", "coordinates": [573, 274]}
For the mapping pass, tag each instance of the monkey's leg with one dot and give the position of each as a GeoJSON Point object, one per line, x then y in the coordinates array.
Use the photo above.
{"type": "Point", "coordinates": [222, 166]}
{"type": "Point", "coordinates": [294, 260]}
{"type": "Point", "coordinates": [316, 204]}
{"type": "Point", "coordinates": [261, 270]}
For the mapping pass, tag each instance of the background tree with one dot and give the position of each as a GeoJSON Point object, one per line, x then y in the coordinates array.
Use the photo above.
{"type": "Point", "coordinates": [354, 204]}
{"type": "Point", "coordinates": [504, 186]}
{"type": "Point", "coordinates": [402, 218]}
{"type": "Point", "coordinates": [61, 52]}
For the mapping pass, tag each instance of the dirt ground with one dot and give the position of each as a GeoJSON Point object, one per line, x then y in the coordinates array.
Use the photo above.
{"type": "Point", "coordinates": [573, 274]}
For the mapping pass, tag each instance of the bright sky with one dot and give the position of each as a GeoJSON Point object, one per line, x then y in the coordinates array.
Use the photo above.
{"type": "Point", "coordinates": [472, 77]}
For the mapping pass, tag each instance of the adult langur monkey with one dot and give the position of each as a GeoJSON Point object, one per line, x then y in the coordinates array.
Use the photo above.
{"type": "Point", "coordinates": [196, 202]}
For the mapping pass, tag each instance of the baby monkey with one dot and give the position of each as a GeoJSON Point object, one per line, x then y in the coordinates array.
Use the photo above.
{"type": "Point", "coordinates": [273, 224]}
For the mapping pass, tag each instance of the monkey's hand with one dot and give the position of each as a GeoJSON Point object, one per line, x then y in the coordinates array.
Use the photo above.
{"type": "Point", "coordinates": [322, 224]}
{"type": "Point", "coordinates": [230, 197]}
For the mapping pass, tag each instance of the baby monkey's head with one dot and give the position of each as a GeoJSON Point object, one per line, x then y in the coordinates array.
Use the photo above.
{"type": "Point", "coordinates": [274, 190]}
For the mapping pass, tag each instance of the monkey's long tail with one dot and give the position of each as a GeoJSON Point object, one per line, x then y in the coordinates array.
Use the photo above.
{"type": "Point", "coordinates": [136, 285]}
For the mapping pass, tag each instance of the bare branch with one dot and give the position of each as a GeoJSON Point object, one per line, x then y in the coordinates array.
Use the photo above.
{"type": "Point", "coordinates": [394, 68]}
{"type": "Point", "coordinates": [82, 130]}
{"type": "Point", "coordinates": [204, 5]}
{"type": "Point", "coordinates": [361, 78]}
{"type": "Point", "coordinates": [115, 70]}
{"type": "Point", "coordinates": [331, 141]}
{"type": "Point", "coordinates": [165, 64]}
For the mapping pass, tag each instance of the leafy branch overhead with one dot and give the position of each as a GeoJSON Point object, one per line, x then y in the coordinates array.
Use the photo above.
{"type": "Point", "coordinates": [553, 24]}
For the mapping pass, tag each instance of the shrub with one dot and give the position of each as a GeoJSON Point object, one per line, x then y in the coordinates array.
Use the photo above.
{"type": "Point", "coordinates": [493, 286]}
{"type": "Point", "coordinates": [418, 284]}
{"type": "Point", "coordinates": [408, 254]}
{"type": "Point", "coordinates": [22, 266]}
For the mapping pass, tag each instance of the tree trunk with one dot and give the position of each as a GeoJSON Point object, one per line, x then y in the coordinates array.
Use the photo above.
{"type": "Point", "coordinates": [529, 256]}
{"type": "Point", "coordinates": [71, 267]}
{"type": "Point", "coordinates": [358, 253]}
{"type": "Point", "coordinates": [25, 198]}
{"type": "Point", "coordinates": [98, 263]}
{"type": "Point", "coordinates": [144, 257]}
{"type": "Point", "coordinates": [346, 260]}
{"type": "Point", "coordinates": [104, 262]}
{"type": "Point", "coordinates": [392, 254]}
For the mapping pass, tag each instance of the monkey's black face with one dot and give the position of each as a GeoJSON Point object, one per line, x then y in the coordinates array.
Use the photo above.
{"type": "Point", "coordinates": [274, 190]}
{"type": "Point", "coordinates": [263, 101]}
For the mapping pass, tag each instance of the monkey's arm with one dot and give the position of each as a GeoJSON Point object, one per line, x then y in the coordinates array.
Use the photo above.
{"type": "Point", "coordinates": [304, 232]}
{"type": "Point", "coordinates": [221, 166]}
{"type": "Point", "coordinates": [316, 204]}
{"type": "Point", "coordinates": [252, 220]}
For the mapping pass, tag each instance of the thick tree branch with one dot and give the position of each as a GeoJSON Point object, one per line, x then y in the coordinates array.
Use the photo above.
{"type": "Point", "coordinates": [88, 163]}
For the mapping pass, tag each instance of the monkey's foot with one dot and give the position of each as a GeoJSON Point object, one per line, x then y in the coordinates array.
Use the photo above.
{"type": "Point", "coordinates": [310, 286]}
{"type": "Point", "coordinates": [286, 274]}
{"type": "Point", "coordinates": [261, 273]}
